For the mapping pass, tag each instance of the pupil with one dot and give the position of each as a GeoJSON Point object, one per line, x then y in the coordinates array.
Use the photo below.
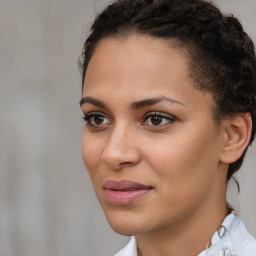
{"type": "Point", "coordinates": [156, 120]}
{"type": "Point", "coordinates": [98, 119]}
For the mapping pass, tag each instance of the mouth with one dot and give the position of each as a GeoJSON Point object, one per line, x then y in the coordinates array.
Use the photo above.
{"type": "Point", "coordinates": [124, 192]}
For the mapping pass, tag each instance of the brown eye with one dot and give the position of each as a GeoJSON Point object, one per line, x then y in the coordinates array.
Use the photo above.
{"type": "Point", "coordinates": [96, 119]}
{"type": "Point", "coordinates": [156, 120]}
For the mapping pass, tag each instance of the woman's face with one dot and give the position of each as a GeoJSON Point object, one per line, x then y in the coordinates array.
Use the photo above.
{"type": "Point", "coordinates": [150, 143]}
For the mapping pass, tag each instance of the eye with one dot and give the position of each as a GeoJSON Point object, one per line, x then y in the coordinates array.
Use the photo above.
{"type": "Point", "coordinates": [158, 119]}
{"type": "Point", "coordinates": [95, 119]}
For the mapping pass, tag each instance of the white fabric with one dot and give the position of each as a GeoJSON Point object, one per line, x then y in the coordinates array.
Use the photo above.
{"type": "Point", "coordinates": [129, 250]}
{"type": "Point", "coordinates": [232, 239]}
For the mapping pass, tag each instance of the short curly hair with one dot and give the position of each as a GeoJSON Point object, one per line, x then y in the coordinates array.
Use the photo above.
{"type": "Point", "coordinates": [222, 55]}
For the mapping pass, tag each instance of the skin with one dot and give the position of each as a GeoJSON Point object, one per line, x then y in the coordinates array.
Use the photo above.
{"type": "Point", "coordinates": [181, 158]}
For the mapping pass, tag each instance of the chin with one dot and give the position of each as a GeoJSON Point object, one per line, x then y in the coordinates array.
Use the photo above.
{"type": "Point", "coordinates": [126, 224]}
{"type": "Point", "coordinates": [126, 229]}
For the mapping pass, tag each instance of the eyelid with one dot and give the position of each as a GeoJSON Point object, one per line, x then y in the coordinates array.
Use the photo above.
{"type": "Point", "coordinates": [93, 113]}
{"type": "Point", "coordinates": [168, 116]}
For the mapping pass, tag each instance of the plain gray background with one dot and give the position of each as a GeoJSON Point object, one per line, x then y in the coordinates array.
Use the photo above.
{"type": "Point", "coordinates": [47, 204]}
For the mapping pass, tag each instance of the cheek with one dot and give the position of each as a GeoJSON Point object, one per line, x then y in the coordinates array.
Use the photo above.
{"type": "Point", "coordinates": [91, 153]}
{"type": "Point", "coordinates": [184, 173]}
{"type": "Point", "coordinates": [185, 160]}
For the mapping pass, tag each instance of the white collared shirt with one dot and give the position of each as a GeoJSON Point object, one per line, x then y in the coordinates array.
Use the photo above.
{"type": "Point", "coordinates": [232, 239]}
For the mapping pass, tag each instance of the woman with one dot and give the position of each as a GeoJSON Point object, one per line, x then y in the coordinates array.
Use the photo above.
{"type": "Point", "coordinates": [169, 103]}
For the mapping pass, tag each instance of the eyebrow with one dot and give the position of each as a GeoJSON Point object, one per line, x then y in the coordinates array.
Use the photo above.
{"type": "Point", "coordinates": [92, 101]}
{"type": "Point", "coordinates": [152, 101]}
{"type": "Point", "coordinates": [135, 105]}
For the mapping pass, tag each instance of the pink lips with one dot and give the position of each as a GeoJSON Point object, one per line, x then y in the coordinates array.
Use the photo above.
{"type": "Point", "coordinates": [124, 192]}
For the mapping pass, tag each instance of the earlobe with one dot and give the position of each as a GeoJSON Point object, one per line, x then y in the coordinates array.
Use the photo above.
{"type": "Point", "coordinates": [236, 137]}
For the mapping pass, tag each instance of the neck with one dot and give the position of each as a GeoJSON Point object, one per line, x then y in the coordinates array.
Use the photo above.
{"type": "Point", "coordinates": [189, 236]}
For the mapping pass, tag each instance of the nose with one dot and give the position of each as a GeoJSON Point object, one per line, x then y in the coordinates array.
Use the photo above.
{"type": "Point", "coordinates": [121, 149]}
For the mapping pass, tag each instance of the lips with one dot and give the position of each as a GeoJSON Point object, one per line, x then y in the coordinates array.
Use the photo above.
{"type": "Point", "coordinates": [124, 192]}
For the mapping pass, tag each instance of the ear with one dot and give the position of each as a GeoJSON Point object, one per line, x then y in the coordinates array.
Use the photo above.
{"type": "Point", "coordinates": [237, 133]}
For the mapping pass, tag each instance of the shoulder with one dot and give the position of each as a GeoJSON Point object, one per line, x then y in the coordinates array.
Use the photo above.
{"type": "Point", "coordinates": [232, 239]}
{"type": "Point", "coordinates": [242, 241]}
{"type": "Point", "coordinates": [129, 250]}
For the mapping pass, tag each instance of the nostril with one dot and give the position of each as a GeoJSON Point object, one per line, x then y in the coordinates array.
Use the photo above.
{"type": "Point", "coordinates": [125, 164]}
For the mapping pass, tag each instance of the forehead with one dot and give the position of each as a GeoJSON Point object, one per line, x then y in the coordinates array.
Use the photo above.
{"type": "Point", "coordinates": [139, 66]}
{"type": "Point", "coordinates": [134, 57]}
{"type": "Point", "coordinates": [134, 43]}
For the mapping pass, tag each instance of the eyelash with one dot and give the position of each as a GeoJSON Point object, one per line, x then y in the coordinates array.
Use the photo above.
{"type": "Point", "coordinates": [88, 118]}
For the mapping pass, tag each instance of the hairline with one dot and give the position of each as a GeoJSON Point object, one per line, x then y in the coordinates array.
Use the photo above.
{"type": "Point", "coordinates": [176, 44]}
